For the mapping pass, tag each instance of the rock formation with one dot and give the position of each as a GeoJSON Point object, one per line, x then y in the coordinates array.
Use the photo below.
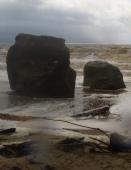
{"type": "Point", "coordinates": [102, 75]}
{"type": "Point", "coordinates": [39, 66]}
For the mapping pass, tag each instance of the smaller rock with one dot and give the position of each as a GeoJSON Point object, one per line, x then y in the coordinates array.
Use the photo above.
{"type": "Point", "coordinates": [120, 143]}
{"type": "Point", "coordinates": [102, 75]}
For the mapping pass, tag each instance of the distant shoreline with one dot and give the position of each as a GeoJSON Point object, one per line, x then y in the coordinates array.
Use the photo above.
{"type": "Point", "coordinates": [98, 44]}
{"type": "Point", "coordinates": [68, 43]}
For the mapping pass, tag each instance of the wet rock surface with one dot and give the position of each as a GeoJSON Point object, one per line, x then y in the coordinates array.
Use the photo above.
{"type": "Point", "coordinates": [40, 66]}
{"type": "Point", "coordinates": [102, 75]}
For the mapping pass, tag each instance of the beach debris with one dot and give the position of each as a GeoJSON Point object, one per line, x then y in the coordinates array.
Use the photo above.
{"type": "Point", "coordinates": [114, 143]}
{"type": "Point", "coordinates": [117, 143]}
{"type": "Point", "coordinates": [100, 111]}
{"type": "Point", "coordinates": [16, 149]}
{"type": "Point", "coordinates": [7, 131]}
{"type": "Point", "coordinates": [6, 116]}
{"type": "Point", "coordinates": [75, 144]}
{"type": "Point", "coordinates": [76, 124]}
{"type": "Point", "coordinates": [84, 131]}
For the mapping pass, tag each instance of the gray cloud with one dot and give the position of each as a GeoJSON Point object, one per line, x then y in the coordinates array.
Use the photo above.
{"type": "Point", "coordinates": [88, 21]}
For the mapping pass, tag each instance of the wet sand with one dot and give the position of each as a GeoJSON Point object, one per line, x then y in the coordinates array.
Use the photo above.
{"type": "Point", "coordinates": [55, 158]}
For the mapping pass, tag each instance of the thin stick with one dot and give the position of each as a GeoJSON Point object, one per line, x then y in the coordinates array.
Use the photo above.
{"type": "Point", "coordinates": [104, 110]}
{"type": "Point", "coordinates": [6, 116]}
{"type": "Point", "coordinates": [65, 121]}
{"type": "Point", "coordinates": [100, 141]}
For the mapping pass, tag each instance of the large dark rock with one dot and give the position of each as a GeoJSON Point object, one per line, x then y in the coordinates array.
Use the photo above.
{"type": "Point", "coordinates": [102, 75]}
{"type": "Point", "coordinates": [39, 66]}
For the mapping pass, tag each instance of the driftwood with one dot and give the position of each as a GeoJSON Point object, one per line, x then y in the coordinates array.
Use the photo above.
{"type": "Point", "coordinates": [118, 143]}
{"type": "Point", "coordinates": [7, 131]}
{"type": "Point", "coordinates": [101, 111]}
{"type": "Point", "coordinates": [73, 144]}
{"type": "Point", "coordinates": [6, 116]}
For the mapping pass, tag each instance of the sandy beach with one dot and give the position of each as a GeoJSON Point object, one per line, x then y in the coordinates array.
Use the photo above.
{"type": "Point", "coordinates": [55, 158]}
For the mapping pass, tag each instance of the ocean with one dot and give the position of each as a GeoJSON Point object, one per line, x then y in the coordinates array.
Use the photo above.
{"type": "Point", "coordinates": [119, 101]}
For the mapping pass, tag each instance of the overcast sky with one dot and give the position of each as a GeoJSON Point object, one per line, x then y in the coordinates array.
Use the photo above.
{"type": "Point", "coordinates": [84, 21]}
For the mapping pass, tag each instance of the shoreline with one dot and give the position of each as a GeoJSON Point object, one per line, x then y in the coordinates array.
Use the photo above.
{"type": "Point", "coordinates": [46, 154]}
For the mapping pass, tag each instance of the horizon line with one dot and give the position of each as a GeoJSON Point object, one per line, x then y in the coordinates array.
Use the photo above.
{"type": "Point", "coordinates": [75, 43]}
